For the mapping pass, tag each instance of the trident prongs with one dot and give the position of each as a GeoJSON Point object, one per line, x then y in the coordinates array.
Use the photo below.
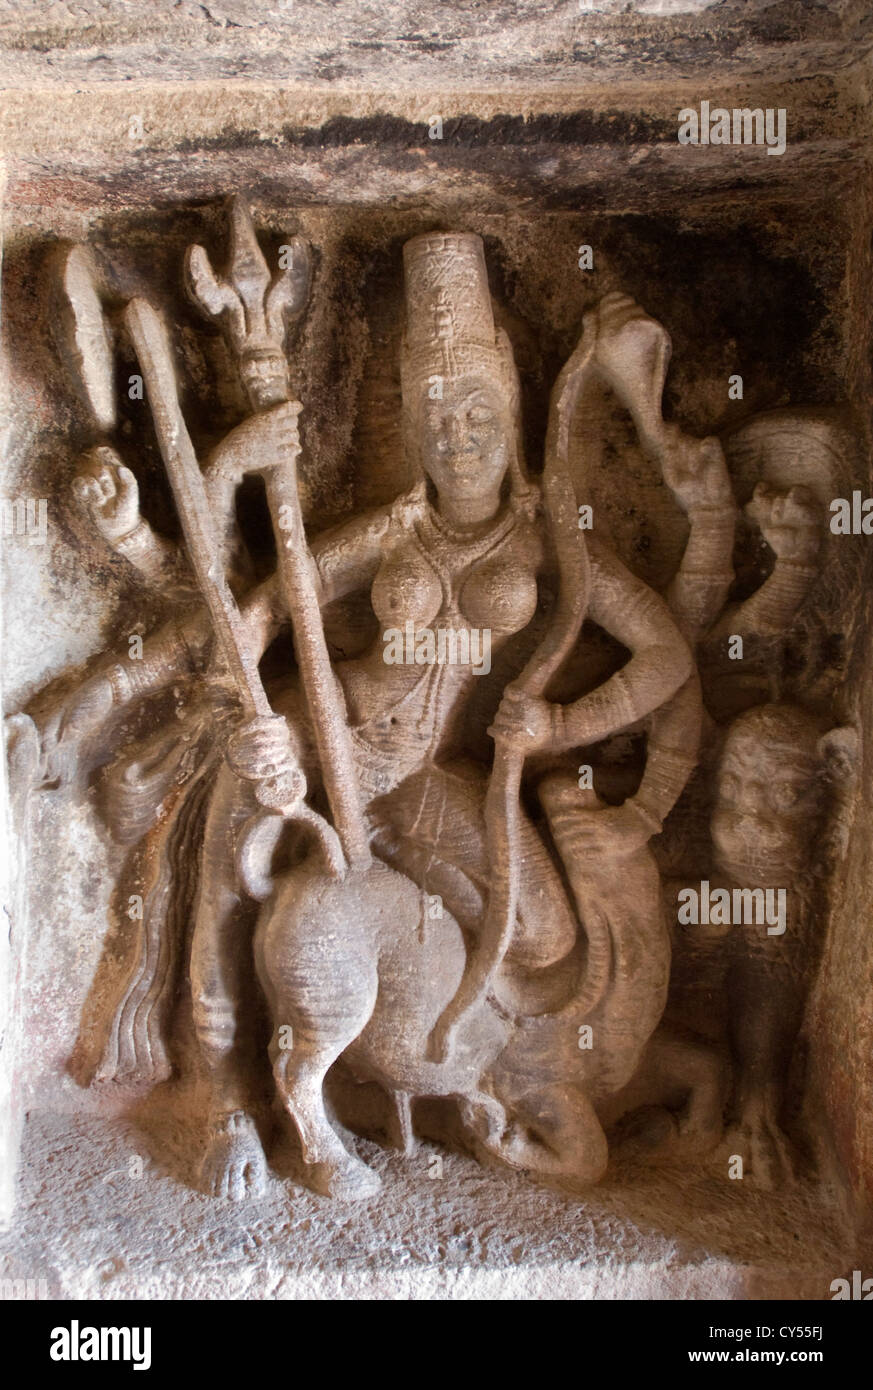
{"type": "Point", "coordinates": [255, 307]}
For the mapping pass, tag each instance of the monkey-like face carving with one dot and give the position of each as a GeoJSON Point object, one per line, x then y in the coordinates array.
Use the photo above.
{"type": "Point", "coordinates": [265, 378]}
{"type": "Point", "coordinates": [767, 796]}
{"type": "Point", "coordinates": [465, 439]}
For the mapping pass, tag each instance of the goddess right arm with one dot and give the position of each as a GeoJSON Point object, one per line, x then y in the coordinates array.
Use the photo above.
{"type": "Point", "coordinates": [348, 556]}
{"type": "Point", "coordinates": [344, 558]}
{"type": "Point", "coordinates": [107, 490]}
{"type": "Point", "coordinates": [789, 523]}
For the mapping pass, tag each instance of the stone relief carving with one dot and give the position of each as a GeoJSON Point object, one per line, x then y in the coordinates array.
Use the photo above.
{"type": "Point", "coordinates": [326, 846]}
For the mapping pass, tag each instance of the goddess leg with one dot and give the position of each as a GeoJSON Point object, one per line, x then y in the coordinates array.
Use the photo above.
{"type": "Point", "coordinates": [432, 828]}
{"type": "Point", "coordinates": [221, 976]}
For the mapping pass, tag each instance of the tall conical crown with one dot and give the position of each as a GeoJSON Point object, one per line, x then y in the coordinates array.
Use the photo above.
{"type": "Point", "coordinates": [449, 319]}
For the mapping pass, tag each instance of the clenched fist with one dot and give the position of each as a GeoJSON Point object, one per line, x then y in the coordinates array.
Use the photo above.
{"type": "Point", "coordinates": [695, 471]}
{"type": "Point", "coordinates": [523, 721]}
{"type": "Point", "coordinates": [264, 752]}
{"type": "Point", "coordinates": [260, 748]}
{"type": "Point", "coordinates": [259, 443]}
{"type": "Point", "coordinates": [107, 490]}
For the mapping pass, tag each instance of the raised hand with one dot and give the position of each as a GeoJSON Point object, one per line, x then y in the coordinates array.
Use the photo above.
{"type": "Point", "coordinates": [695, 471]}
{"type": "Point", "coordinates": [789, 521]}
{"type": "Point", "coordinates": [108, 491]}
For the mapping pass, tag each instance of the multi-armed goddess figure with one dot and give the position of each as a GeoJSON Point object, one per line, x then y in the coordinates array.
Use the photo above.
{"type": "Point", "coordinates": [359, 778]}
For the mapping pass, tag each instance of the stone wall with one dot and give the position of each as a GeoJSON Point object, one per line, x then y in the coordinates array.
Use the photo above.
{"type": "Point", "coordinates": [557, 128]}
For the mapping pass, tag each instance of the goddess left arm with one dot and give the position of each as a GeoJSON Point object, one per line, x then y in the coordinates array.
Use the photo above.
{"type": "Point", "coordinates": [660, 660]}
{"type": "Point", "coordinates": [658, 680]}
{"type": "Point", "coordinates": [696, 473]}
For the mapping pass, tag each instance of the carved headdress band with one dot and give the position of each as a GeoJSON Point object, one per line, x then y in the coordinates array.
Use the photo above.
{"type": "Point", "coordinates": [449, 319]}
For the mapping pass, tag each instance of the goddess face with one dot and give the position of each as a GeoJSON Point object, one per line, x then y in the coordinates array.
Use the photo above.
{"type": "Point", "coordinates": [465, 439]}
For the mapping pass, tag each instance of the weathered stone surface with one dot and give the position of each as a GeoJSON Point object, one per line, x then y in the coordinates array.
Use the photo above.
{"type": "Point", "coordinates": [468, 1234]}
{"type": "Point", "coordinates": [125, 132]}
{"type": "Point", "coordinates": [106, 40]}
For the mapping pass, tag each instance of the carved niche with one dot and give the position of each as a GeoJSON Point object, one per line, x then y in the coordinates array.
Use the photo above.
{"type": "Point", "coordinates": [467, 861]}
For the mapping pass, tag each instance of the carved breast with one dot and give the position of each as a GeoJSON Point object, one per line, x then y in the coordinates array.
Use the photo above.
{"type": "Point", "coordinates": [406, 588]}
{"type": "Point", "coordinates": [499, 594]}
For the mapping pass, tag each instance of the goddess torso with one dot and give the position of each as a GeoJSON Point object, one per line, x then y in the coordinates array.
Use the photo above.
{"type": "Point", "coordinates": [435, 575]}
{"type": "Point", "coordinates": [447, 601]}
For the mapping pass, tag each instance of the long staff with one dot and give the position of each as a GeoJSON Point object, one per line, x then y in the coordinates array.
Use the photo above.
{"type": "Point", "coordinates": [253, 306]}
{"type": "Point", "coordinates": [282, 794]}
{"type": "Point", "coordinates": [153, 350]}
{"type": "Point", "coordinates": [323, 695]}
